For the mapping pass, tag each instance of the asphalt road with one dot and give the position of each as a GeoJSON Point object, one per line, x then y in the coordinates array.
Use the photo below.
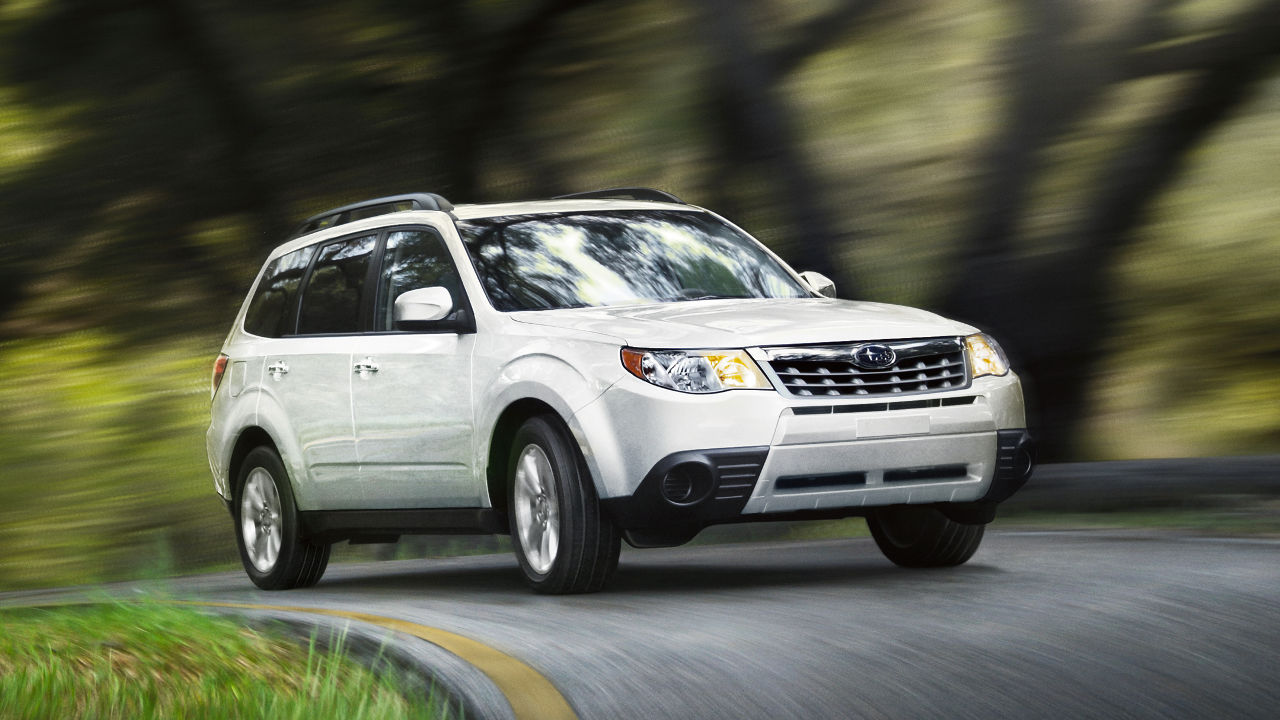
{"type": "Point", "coordinates": [1052, 625]}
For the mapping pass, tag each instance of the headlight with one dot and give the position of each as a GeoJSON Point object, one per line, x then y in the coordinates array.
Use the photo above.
{"type": "Point", "coordinates": [985, 356]}
{"type": "Point", "coordinates": [696, 371]}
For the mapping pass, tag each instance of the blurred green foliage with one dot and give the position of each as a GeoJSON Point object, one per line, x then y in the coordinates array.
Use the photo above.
{"type": "Point", "coordinates": [152, 152]}
{"type": "Point", "coordinates": [103, 456]}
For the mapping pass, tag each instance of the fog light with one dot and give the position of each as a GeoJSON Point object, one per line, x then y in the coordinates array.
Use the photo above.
{"type": "Point", "coordinates": [1024, 461]}
{"type": "Point", "coordinates": [686, 484]}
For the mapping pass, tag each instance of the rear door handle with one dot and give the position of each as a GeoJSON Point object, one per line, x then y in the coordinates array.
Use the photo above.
{"type": "Point", "coordinates": [278, 368]}
{"type": "Point", "coordinates": [366, 365]}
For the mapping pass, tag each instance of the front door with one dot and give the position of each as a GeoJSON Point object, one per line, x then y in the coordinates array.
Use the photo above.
{"type": "Point", "coordinates": [411, 391]}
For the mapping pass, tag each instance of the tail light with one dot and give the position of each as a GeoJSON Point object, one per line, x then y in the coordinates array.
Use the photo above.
{"type": "Point", "coordinates": [219, 368]}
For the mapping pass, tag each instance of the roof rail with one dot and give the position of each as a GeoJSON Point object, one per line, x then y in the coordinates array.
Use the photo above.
{"type": "Point", "coordinates": [623, 193]}
{"type": "Point", "coordinates": [372, 208]}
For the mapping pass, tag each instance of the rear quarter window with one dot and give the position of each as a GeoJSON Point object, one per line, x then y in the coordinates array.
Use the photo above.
{"type": "Point", "coordinates": [269, 313]}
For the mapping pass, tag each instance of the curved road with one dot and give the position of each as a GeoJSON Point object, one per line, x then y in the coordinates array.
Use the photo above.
{"type": "Point", "coordinates": [1038, 624]}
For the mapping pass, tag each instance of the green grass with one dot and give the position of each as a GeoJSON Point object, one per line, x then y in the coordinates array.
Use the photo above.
{"type": "Point", "coordinates": [141, 661]}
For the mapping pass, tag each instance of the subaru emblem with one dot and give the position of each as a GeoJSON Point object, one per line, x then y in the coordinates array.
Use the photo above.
{"type": "Point", "coordinates": [874, 357]}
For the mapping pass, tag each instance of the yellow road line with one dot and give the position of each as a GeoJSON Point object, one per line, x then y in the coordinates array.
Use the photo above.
{"type": "Point", "coordinates": [532, 696]}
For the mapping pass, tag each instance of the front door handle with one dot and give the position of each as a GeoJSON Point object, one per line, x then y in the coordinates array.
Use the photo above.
{"type": "Point", "coordinates": [278, 368]}
{"type": "Point", "coordinates": [365, 366]}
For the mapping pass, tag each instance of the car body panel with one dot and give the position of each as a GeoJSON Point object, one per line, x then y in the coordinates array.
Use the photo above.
{"type": "Point", "coordinates": [414, 421]}
{"type": "Point", "coordinates": [736, 323]}
{"type": "Point", "coordinates": [417, 433]}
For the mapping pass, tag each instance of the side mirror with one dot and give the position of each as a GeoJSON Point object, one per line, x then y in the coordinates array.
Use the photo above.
{"type": "Point", "coordinates": [819, 283]}
{"type": "Point", "coordinates": [423, 305]}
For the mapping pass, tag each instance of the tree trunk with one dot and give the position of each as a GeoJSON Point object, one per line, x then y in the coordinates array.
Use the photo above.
{"type": "Point", "coordinates": [753, 114]}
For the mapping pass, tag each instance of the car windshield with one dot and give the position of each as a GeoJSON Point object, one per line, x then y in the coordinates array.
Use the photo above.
{"type": "Point", "coordinates": [591, 259]}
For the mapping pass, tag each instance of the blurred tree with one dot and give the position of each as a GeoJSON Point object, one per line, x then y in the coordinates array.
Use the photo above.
{"type": "Point", "coordinates": [1000, 160]}
{"type": "Point", "coordinates": [1054, 309]}
{"type": "Point", "coordinates": [177, 138]}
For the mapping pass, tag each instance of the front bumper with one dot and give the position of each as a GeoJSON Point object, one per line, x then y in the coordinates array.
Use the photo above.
{"type": "Point", "coordinates": [766, 456]}
{"type": "Point", "coordinates": [690, 490]}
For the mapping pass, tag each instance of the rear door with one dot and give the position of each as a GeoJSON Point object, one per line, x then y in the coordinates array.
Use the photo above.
{"type": "Point", "coordinates": [313, 378]}
{"type": "Point", "coordinates": [411, 390]}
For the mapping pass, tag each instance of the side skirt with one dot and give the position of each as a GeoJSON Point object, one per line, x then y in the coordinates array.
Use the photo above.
{"type": "Point", "coordinates": [374, 526]}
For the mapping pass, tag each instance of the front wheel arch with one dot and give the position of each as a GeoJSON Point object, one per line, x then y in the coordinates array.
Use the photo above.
{"type": "Point", "coordinates": [504, 430]}
{"type": "Point", "coordinates": [550, 486]}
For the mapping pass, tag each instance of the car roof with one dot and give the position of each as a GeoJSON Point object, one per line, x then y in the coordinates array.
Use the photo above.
{"type": "Point", "coordinates": [535, 207]}
{"type": "Point", "coordinates": [475, 211]}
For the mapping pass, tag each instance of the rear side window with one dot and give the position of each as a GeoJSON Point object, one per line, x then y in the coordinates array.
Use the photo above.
{"type": "Point", "coordinates": [332, 299]}
{"type": "Point", "coordinates": [268, 313]}
{"type": "Point", "coordinates": [414, 259]}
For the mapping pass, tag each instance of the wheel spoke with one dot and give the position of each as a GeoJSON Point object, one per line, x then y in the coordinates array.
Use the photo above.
{"type": "Point", "coordinates": [270, 498]}
{"type": "Point", "coordinates": [528, 533]}
{"type": "Point", "coordinates": [260, 549]}
{"type": "Point", "coordinates": [252, 493]}
{"type": "Point", "coordinates": [260, 519]}
{"type": "Point", "coordinates": [536, 508]}
{"type": "Point", "coordinates": [532, 475]}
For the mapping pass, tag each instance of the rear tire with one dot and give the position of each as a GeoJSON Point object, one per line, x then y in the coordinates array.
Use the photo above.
{"type": "Point", "coordinates": [563, 540]}
{"type": "Point", "coordinates": [268, 532]}
{"type": "Point", "coordinates": [919, 536]}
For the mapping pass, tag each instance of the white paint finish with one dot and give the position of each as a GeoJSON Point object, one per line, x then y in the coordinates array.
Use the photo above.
{"type": "Point", "coordinates": [417, 432]}
{"type": "Point", "coordinates": [977, 451]}
{"type": "Point", "coordinates": [313, 404]}
{"type": "Point", "coordinates": [893, 425]}
{"type": "Point", "coordinates": [747, 323]}
{"type": "Point", "coordinates": [413, 421]}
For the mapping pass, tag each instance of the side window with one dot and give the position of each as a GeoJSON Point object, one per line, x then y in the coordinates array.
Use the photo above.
{"type": "Point", "coordinates": [331, 300]}
{"type": "Point", "coordinates": [414, 259]}
{"type": "Point", "coordinates": [268, 313]}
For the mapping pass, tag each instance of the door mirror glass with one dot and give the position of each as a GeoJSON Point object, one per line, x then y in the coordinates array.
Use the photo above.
{"type": "Point", "coordinates": [423, 305]}
{"type": "Point", "coordinates": [820, 283]}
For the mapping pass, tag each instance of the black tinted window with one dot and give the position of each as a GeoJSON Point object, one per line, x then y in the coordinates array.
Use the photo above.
{"type": "Point", "coordinates": [268, 313]}
{"type": "Point", "coordinates": [331, 301]}
{"type": "Point", "coordinates": [564, 260]}
{"type": "Point", "coordinates": [414, 259]}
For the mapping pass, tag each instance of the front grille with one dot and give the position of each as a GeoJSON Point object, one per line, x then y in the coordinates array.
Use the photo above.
{"type": "Point", "coordinates": [829, 370]}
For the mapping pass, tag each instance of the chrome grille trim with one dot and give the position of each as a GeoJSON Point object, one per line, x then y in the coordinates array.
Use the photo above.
{"type": "Point", "coordinates": [922, 366]}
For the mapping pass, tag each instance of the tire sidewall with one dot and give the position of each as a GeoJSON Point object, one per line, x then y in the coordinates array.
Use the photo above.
{"type": "Point", "coordinates": [929, 540]}
{"type": "Point", "coordinates": [268, 460]}
{"type": "Point", "coordinates": [564, 469]}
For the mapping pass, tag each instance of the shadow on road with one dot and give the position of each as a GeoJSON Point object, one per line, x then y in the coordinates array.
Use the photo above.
{"type": "Point", "coordinates": [652, 572]}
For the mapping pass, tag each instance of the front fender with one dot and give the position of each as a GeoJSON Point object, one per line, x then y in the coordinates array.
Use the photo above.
{"type": "Point", "coordinates": [566, 380]}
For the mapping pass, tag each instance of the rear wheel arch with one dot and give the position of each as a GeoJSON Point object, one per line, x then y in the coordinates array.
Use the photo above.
{"type": "Point", "coordinates": [250, 438]}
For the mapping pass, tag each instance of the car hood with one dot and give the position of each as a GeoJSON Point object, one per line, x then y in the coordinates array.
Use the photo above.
{"type": "Point", "coordinates": [749, 323]}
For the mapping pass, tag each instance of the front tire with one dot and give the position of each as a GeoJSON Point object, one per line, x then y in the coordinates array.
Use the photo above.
{"type": "Point", "coordinates": [563, 540]}
{"type": "Point", "coordinates": [268, 532]}
{"type": "Point", "coordinates": [919, 536]}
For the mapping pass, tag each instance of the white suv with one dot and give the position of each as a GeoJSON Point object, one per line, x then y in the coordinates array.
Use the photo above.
{"type": "Point", "coordinates": [584, 370]}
